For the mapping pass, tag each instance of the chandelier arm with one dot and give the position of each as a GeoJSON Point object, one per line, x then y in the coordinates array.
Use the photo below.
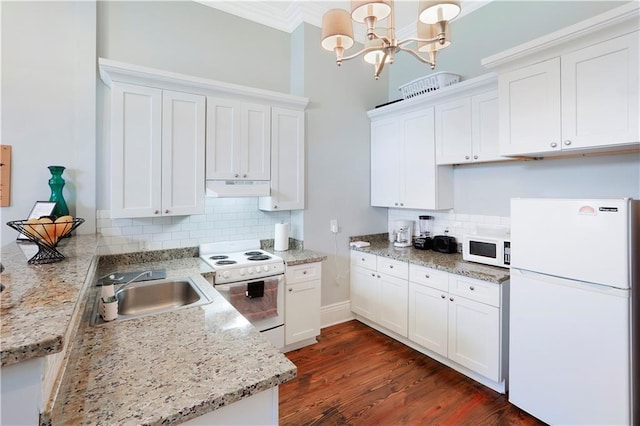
{"type": "Point", "coordinates": [417, 55]}
{"type": "Point", "coordinates": [355, 55]}
{"type": "Point", "coordinates": [416, 39]}
{"type": "Point", "coordinates": [380, 65]}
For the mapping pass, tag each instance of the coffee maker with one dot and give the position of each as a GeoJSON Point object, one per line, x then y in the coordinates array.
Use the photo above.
{"type": "Point", "coordinates": [424, 241]}
{"type": "Point", "coordinates": [404, 233]}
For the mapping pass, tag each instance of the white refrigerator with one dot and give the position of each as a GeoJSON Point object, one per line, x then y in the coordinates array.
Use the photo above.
{"type": "Point", "coordinates": [572, 350]}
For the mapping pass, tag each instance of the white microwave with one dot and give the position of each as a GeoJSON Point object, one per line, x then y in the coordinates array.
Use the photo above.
{"type": "Point", "coordinates": [488, 249]}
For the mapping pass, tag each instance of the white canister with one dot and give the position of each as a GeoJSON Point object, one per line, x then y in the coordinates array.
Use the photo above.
{"type": "Point", "coordinates": [281, 240]}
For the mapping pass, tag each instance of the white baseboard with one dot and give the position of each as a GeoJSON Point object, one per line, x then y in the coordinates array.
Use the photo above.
{"type": "Point", "coordinates": [335, 314]}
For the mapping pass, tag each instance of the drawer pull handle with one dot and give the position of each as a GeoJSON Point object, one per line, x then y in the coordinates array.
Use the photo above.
{"type": "Point", "coordinates": [471, 288]}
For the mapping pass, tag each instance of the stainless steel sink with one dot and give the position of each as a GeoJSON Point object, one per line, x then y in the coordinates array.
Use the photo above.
{"type": "Point", "coordinates": [154, 297]}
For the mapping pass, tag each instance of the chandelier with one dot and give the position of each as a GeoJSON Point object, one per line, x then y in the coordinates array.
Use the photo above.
{"type": "Point", "coordinates": [382, 44]}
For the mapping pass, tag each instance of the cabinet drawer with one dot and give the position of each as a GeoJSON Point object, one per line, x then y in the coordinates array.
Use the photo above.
{"type": "Point", "coordinates": [363, 260]}
{"type": "Point", "coordinates": [395, 268]}
{"type": "Point", "coordinates": [302, 273]}
{"type": "Point", "coordinates": [480, 291]}
{"type": "Point", "coordinates": [430, 277]}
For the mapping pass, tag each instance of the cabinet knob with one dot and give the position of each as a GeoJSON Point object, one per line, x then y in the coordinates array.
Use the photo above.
{"type": "Point", "coordinates": [401, 204]}
{"type": "Point", "coordinates": [236, 175]}
{"type": "Point", "coordinates": [166, 211]}
{"type": "Point", "coordinates": [475, 157]}
{"type": "Point", "coordinates": [244, 175]}
{"type": "Point", "coordinates": [442, 296]}
{"type": "Point", "coordinates": [426, 275]}
{"type": "Point", "coordinates": [390, 266]}
{"type": "Point", "coordinates": [553, 144]}
{"type": "Point", "coordinates": [395, 204]}
{"type": "Point", "coordinates": [471, 288]}
{"type": "Point", "coordinates": [290, 290]}
{"type": "Point", "coordinates": [373, 275]}
{"type": "Point", "coordinates": [378, 276]}
{"type": "Point", "coordinates": [304, 272]}
{"type": "Point", "coordinates": [451, 298]}
{"type": "Point", "coordinates": [567, 142]}
{"type": "Point", "coordinates": [466, 157]}
{"type": "Point", "coordinates": [275, 206]}
{"type": "Point", "coordinates": [156, 212]}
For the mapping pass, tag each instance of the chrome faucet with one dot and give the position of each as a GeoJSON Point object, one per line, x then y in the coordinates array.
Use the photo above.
{"type": "Point", "coordinates": [115, 281]}
{"type": "Point", "coordinates": [123, 286]}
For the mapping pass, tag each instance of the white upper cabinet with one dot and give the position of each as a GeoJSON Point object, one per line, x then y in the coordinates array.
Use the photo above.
{"type": "Point", "coordinates": [467, 128]}
{"type": "Point", "coordinates": [158, 121]}
{"type": "Point", "coordinates": [403, 169]}
{"type": "Point", "coordinates": [529, 100]}
{"type": "Point", "coordinates": [600, 94]}
{"type": "Point", "coordinates": [572, 91]}
{"type": "Point", "coordinates": [238, 140]}
{"type": "Point", "coordinates": [287, 161]}
{"type": "Point", "coordinates": [157, 152]}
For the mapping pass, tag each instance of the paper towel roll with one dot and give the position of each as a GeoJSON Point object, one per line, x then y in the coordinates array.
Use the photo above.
{"type": "Point", "coordinates": [281, 240]}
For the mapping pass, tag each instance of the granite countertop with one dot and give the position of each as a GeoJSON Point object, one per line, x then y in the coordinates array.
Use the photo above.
{"type": "Point", "coordinates": [299, 256]}
{"type": "Point", "coordinates": [445, 262]}
{"type": "Point", "coordinates": [37, 304]}
{"type": "Point", "coordinates": [166, 368]}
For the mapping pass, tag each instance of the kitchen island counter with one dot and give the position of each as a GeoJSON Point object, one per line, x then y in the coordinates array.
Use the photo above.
{"type": "Point", "coordinates": [452, 263]}
{"type": "Point", "coordinates": [166, 368]}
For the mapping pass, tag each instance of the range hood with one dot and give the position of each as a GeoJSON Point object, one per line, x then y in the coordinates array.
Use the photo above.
{"type": "Point", "coordinates": [238, 188]}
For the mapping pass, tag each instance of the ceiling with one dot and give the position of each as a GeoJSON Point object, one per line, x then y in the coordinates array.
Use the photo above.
{"type": "Point", "coordinates": [286, 15]}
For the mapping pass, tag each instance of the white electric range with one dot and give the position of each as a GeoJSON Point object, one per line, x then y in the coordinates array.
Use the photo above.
{"type": "Point", "coordinates": [252, 280]}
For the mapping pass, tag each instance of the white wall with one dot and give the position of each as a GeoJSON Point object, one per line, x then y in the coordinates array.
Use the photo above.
{"type": "Point", "coordinates": [48, 104]}
{"type": "Point", "coordinates": [337, 157]}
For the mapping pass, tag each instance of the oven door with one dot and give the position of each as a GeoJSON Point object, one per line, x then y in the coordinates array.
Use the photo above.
{"type": "Point", "coordinates": [259, 301]}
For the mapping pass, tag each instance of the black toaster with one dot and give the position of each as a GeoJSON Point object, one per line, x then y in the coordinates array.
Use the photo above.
{"type": "Point", "coordinates": [445, 244]}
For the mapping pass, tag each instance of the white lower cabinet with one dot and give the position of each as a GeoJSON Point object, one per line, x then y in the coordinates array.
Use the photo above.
{"type": "Point", "coordinates": [302, 303]}
{"type": "Point", "coordinates": [460, 321]}
{"type": "Point", "coordinates": [380, 294]}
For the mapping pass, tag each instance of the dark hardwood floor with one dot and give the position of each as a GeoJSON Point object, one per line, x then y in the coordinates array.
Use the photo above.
{"type": "Point", "coordinates": [355, 375]}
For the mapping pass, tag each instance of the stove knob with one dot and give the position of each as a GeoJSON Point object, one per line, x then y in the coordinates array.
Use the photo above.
{"type": "Point", "coordinates": [226, 274]}
{"type": "Point", "coordinates": [265, 268]}
{"type": "Point", "coordinates": [241, 272]}
{"type": "Point", "coordinates": [250, 270]}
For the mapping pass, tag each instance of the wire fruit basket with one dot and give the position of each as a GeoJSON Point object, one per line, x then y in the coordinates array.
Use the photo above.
{"type": "Point", "coordinates": [46, 234]}
{"type": "Point", "coordinates": [427, 84]}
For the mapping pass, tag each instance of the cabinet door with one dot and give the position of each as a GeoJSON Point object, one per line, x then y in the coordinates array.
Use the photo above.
{"type": "Point", "coordinates": [453, 132]}
{"type": "Point", "coordinates": [428, 317]}
{"type": "Point", "coordinates": [365, 293]}
{"type": "Point", "coordinates": [302, 311]}
{"type": "Point", "coordinates": [484, 127]}
{"type": "Point", "coordinates": [136, 151]}
{"type": "Point", "coordinates": [474, 336]}
{"type": "Point", "coordinates": [183, 128]}
{"type": "Point", "coordinates": [385, 163]}
{"type": "Point", "coordinates": [394, 293]}
{"type": "Point", "coordinates": [287, 161]}
{"type": "Point", "coordinates": [600, 94]}
{"type": "Point", "coordinates": [223, 139]}
{"type": "Point", "coordinates": [529, 102]}
{"type": "Point", "coordinates": [255, 151]}
{"type": "Point", "coordinates": [422, 182]}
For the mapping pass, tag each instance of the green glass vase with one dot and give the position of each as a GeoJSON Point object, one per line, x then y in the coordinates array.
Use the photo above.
{"type": "Point", "coordinates": [56, 183]}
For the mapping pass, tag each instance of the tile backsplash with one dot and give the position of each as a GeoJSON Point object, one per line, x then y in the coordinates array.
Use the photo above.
{"type": "Point", "coordinates": [225, 219]}
{"type": "Point", "coordinates": [457, 224]}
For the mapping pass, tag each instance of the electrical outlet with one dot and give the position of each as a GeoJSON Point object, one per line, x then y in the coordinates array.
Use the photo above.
{"type": "Point", "coordinates": [334, 226]}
